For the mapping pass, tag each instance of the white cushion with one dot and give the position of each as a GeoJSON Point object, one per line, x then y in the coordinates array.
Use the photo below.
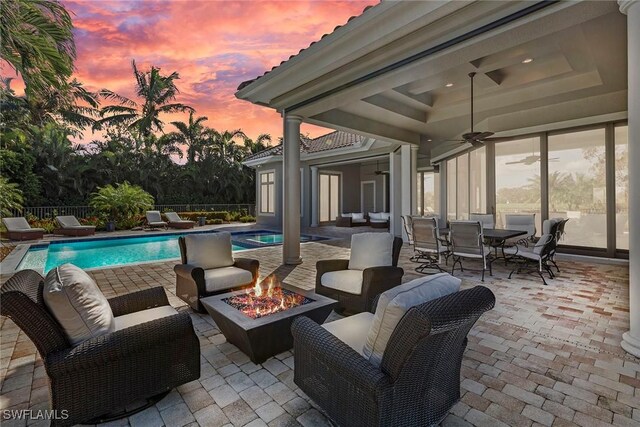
{"type": "Point", "coordinates": [349, 281]}
{"type": "Point", "coordinates": [357, 215]}
{"type": "Point", "coordinates": [346, 215]}
{"type": "Point", "coordinates": [394, 303]}
{"type": "Point", "coordinates": [351, 330]}
{"type": "Point", "coordinates": [385, 215]}
{"type": "Point", "coordinates": [358, 221]}
{"type": "Point", "coordinates": [374, 216]}
{"type": "Point", "coordinates": [378, 221]}
{"type": "Point", "coordinates": [523, 251]}
{"type": "Point", "coordinates": [209, 250]}
{"type": "Point", "coordinates": [143, 316]}
{"type": "Point", "coordinates": [371, 250]}
{"type": "Point", "coordinates": [76, 302]}
{"type": "Point", "coordinates": [225, 278]}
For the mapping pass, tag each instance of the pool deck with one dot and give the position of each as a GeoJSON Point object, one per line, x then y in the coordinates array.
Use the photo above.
{"type": "Point", "coordinates": [544, 356]}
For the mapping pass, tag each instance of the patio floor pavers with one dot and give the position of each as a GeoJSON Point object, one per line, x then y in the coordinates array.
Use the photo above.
{"type": "Point", "coordinates": [544, 356]}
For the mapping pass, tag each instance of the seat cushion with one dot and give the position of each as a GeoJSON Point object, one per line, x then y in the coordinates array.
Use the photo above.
{"type": "Point", "coordinates": [211, 250]}
{"type": "Point", "coordinates": [351, 330]}
{"type": "Point", "coordinates": [219, 279]}
{"type": "Point", "coordinates": [76, 302]}
{"type": "Point", "coordinates": [349, 281]}
{"type": "Point", "coordinates": [371, 250]}
{"type": "Point", "coordinates": [523, 251]}
{"type": "Point", "coordinates": [143, 316]}
{"type": "Point", "coordinates": [394, 303]}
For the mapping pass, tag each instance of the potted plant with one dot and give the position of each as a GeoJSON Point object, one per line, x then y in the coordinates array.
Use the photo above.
{"type": "Point", "coordinates": [120, 202]}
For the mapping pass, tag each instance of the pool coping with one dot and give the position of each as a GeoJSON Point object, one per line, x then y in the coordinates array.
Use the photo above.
{"type": "Point", "coordinates": [9, 265]}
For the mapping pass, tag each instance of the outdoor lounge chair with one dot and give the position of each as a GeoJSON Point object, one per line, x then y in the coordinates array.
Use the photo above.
{"type": "Point", "coordinates": [417, 380]}
{"type": "Point", "coordinates": [208, 268]}
{"type": "Point", "coordinates": [19, 229]}
{"type": "Point", "coordinates": [371, 270]}
{"type": "Point", "coordinates": [154, 220]}
{"type": "Point", "coordinates": [153, 350]}
{"type": "Point", "coordinates": [176, 222]}
{"type": "Point", "coordinates": [70, 226]}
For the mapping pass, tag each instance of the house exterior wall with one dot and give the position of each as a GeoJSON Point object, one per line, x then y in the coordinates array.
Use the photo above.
{"type": "Point", "coordinates": [275, 219]}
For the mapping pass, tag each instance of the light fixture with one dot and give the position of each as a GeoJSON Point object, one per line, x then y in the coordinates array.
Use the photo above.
{"type": "Point", "coordinates": [449, 84]}
{"type": "Point", "coordinates": [527, 60]}
{"type": "Point", "coordinates": [429, 140]}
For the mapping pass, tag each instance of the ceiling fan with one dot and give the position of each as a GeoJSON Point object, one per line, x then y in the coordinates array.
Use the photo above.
{"type": "Point", "coordinates": [378, 171]}
{"type": "Point", "coordinates": [476, 139]}
{"type": "Point", "coordinates": [529, 160]}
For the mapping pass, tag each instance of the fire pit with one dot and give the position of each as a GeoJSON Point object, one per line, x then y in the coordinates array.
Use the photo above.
{"type": "Point", "coordinates": [257, 302]}
{"type": "Point", "coordinates": [258, 320]}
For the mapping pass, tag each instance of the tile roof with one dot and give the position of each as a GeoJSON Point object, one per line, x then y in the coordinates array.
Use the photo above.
{"type": "Point", "coordinates": [330, 141]}
{"type": "Point", "coordinates": [248, 82]}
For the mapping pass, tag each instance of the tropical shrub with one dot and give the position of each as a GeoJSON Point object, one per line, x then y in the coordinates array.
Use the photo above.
{"type": "Point", "coordinates": [10, 197]}
{"type": "Point", "coordinates": [47, 224]}
{"type": "Point", "coordinates": [247, 218]}
{"type": "Point", "coordinates": [129, 223]}
{"type": "Point", "coordinates": [121, 202]}
{"type": "Point", "coordinates": [97, 222]}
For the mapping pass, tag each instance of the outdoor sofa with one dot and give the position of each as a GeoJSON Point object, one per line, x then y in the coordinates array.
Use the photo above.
{"type": "Point", "coordinates": [371, 269]}
{"type": "Point", "coordinates": [19, 229]}
{"type": "Point", "coordinates": [355, 219]}
{"type": "Point", "coordinates": [379, 219]}
{"type": "Point", "coordinates": [150, 349]}
{"type": "Point", "coordinates": [208, 268]}
{"type": "Point", "coordinates": [397, 365]}
{"type": "Point", "coordinates": [70, 226]}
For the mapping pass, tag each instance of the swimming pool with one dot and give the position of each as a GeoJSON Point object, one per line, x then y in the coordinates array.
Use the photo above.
{"type": "Point", "coordinates": [116, 251]}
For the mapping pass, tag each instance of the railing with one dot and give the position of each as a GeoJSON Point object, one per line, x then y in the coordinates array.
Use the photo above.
{"type": "Point", "coordinates": [86, 211]}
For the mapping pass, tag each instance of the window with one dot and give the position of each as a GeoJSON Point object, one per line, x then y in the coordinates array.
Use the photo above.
{"type": "Point", "coordinates": [462, 181]}
{"type": "Point", "coordinates": [478, 181]}
{"type": "Point", "coordinates": [577, 186]}
{"type": "Point", "coordinates": [518, 179]}
{"type": "Point", "coordinates": [329, 196]}
{"type": "Point", "coordinates": [267, 192]}
{"type": "Point", "coordinates": [428, 193]}
{"type": "Point", "coordinates": [621, 136]}
{"type": "Point", "coordinates": [452, 172]}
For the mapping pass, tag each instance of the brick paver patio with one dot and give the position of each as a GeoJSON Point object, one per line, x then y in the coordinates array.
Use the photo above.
{"type": "Point", "coordinates": [544, 356]}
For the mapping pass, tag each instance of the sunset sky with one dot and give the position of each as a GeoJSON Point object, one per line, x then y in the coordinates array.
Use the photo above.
{"type": "Point", "coordinates": [213, 45]}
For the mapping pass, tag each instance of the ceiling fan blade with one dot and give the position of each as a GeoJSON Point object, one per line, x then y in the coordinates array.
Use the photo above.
{"type": "Point", "coordinates": [554, 159]}
{"type": "Point", "coordinates": [514, 163]}
{"type": "Point", "coordinates": [483, 136]}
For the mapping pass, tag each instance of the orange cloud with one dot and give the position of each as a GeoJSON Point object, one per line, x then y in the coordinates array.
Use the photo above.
{"type": "Point", "coordinates": [213, 45]}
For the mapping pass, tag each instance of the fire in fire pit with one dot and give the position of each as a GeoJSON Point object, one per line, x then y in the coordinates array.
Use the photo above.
{"type": "Point", "coordinates": [258, 302]}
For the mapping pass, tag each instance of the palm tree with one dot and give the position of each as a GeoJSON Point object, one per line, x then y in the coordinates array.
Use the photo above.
{"type": "Point", "coordinates": [223, 146]}
{"type": "Point", "coordinates": [258, 145]}
{"type": "Point", "coordinates": [192, 134]}
{"type": "Point", "coordinates": [36, 40]}
{"type": "Point", "coordinates": [156, 93]}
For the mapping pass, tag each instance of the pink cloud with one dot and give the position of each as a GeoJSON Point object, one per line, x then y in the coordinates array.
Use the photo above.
{"type": "Point", "coordinates": [214, 46]}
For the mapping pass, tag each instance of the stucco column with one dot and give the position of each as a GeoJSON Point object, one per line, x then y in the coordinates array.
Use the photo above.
{"type": "Point", "coordinates": [631, 339]}
{"type": "Point", "coordinates": [414, 179]}
{"type": "Point", "coordinates": [291, 190]}
{"type": "Point", "coordinates": [314, 196]}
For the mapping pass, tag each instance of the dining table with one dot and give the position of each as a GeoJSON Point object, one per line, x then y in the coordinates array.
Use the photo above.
{"type": "Point", "coordinates": [496, 238]}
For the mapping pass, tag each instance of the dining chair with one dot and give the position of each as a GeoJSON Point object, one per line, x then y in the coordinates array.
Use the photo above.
{"type": "Point", "coordinates": [427, 245]}
{"type": "Point", "coordinates": [487, 220]}
{"type": "Point", "coordinates": [467, 241]}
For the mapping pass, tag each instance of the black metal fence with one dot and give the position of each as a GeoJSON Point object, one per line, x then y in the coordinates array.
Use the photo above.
{"type": "Point", "coordinates": [86, 211]}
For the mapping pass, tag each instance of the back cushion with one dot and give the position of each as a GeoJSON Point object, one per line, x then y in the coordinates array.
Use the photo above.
{"type": "Point", "coordinates": [371, 250]}
{"type": "Point", "coordinates": [394, 303]}
{"type": "Point", "coordinates": [76, 302]}
{"type": "Point", "coordinates": [209, 250]}
{"type": "Point", "coordinates": [374, 215]}
{"type": "Point", "coordinates": [358, 215]}
{"type": "Point", "coordinates": [540, 244]}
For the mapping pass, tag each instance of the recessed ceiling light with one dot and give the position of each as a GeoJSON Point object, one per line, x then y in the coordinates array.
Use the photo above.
{"type": "Point", "coordinates": [449, 84]}
{"type": "Point", "coordinates": [527, 60]}
{"type": "Point", "coordinates": [429, 140]}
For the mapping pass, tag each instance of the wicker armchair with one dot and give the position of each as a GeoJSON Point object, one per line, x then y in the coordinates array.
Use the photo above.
{"type": "Point", "coordinates": [375, 280]}
{"type": "Point", "coordinates": [191, 281]}
{"type": "Point", "coordinates": [418, 380]}
{"type": "Point", "coordinates": [109, 372]}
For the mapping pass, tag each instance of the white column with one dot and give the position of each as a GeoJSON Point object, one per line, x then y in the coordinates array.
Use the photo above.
{"type": "Point", "coordinates": [395, 195]}
{"type": "Point", "coordinates": [631, 339]}
{"type": "Point", "coordinates": [291, 190]}
{"type": "Point", "coordinates": [414, 179]}
{"type": "Point", "coordinates": [314, 196]}
{"type": "Point", "coordinates": [405, 180]}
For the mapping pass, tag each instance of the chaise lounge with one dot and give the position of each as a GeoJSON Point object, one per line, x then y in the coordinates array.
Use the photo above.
{"type": "Point", "coordinates": [70, 226]}
{"type": "Point", "coordinates": [19, 229]}
{"type": "Point", "coordinates": [176, 222]}
{"type": "Point", "coordinates": [154, 220]}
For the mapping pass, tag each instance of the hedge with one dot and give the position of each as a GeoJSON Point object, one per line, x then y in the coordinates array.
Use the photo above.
{"type": "Point", "coordinates": [210, 215]}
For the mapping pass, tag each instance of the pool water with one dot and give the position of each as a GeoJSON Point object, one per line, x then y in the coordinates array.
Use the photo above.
{"type": "Point", "coordinates": [108, 252]}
